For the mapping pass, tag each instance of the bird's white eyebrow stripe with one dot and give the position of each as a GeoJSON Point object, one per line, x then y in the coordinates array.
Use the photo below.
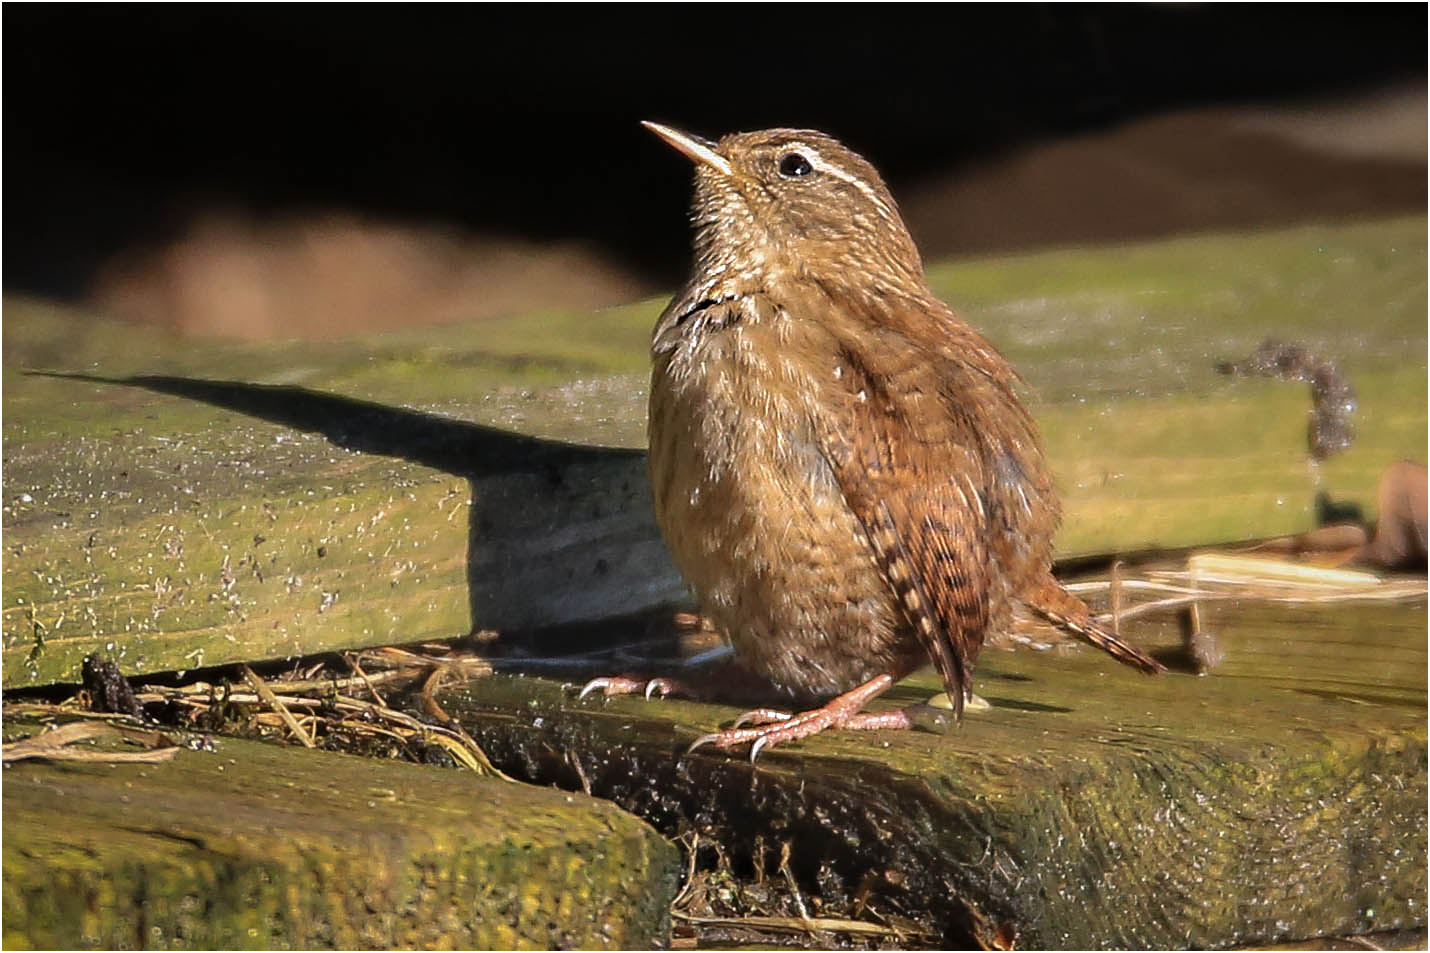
{"type": "Point", "coordinates": [820, 163]}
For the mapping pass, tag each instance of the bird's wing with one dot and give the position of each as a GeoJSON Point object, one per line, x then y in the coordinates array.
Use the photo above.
{"type": "Point", "coordinates": [915, 488]}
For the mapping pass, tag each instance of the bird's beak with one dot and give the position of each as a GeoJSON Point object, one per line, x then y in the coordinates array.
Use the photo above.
{"type": "Point", "coordinates": [693, 147]}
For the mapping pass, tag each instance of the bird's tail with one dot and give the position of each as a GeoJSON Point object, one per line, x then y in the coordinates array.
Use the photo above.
{"type": "Point", "coordinates": [1065, 610]}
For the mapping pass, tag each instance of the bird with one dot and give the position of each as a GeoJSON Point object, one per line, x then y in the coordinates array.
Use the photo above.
{"type": "Point", "coordinates": [841, 467]}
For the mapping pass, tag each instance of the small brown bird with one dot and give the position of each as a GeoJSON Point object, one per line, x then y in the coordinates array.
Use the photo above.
{"type": "Point", "coordinates": [841, 467]}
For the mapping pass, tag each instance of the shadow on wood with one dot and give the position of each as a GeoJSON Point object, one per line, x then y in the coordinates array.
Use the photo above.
{"type": "Point", "coordinates": [556, 532]}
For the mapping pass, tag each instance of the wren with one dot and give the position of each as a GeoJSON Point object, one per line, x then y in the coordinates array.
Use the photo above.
{"type": "Point", "coordinates": [842, 468]}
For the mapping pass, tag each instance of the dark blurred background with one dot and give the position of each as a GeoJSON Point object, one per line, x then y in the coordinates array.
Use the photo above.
{"type": "Point", "coordinates": [278, 169]}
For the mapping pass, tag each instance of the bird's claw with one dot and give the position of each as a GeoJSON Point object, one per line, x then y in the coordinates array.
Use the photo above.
{"type": "Point", "coordinates": [661, 685]}
{"type": "Point", "coordinates": [620, 685]}
{"type": "Point", "coordinates": [702, 741]}
{"type": "Point", "coordinates": [758, 740]}
{"type": "Point", "coordinates": [592, 685]}
{"type": "Point", "coordinates": [614, 685]}
{"type": "Point", "coordinates": [717, 738]}
{"type": "Point", "coordinates": [759, 717]}
{"type": "Point", "coordinates": [757, 747]}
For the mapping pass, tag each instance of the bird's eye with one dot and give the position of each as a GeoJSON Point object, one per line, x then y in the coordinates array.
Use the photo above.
{"type": "Point", "coordinates": [794, 165]}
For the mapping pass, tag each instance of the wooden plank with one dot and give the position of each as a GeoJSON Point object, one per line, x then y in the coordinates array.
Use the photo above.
{"type": "Point", "coordinates": [256, 846]}
{"type": "Point", "coordinates": [190, 504]}
{"type": "Point", "coordinates": [249, 540]}
{"type": "Point", "coordinates": [1279, 798]}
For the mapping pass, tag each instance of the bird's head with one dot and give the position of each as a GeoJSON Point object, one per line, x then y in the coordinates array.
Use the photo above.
{"type": "Point", "coordinates": [793, 201]}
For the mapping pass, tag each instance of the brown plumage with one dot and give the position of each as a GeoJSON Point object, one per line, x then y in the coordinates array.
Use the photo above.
{"type": "Point", "coordinates": [841, 467]}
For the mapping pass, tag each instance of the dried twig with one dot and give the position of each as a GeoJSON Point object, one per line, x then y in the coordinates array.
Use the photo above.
{"type": "Point", "coordinates": [13, 709]}
{"type": "Point", "coordinates": [340, 684]}
{"type": "Point", "coordinates": [692, 851]}
{"type": "Point", "coordinates": [1115, 596]}
{"type": "Point", "coordinates": [1140, 585]}
{"type": "Point", "coordinates": [799, 925]}
{"type": "Point", "coordinates": [1223, 567]}
{"type": "Point", "coordinates": [272, 701]}
{"type": "Point", "coordinates": [374, 717]}
{"type": "Point", "coordinates": [357, 670]}
{"type": "Point", "coordinates": [1164, 605]}
{"type": "Point", "coordinates": [429, 704]}
{"type": "Point", "coordinates": [1215, 576]}
{"type": "Point", "coordinates": [789, 879]}
{"type": "Point", "coordinates": [580, 771]}
{"type": "Point", "coordinates": [53, 745]}
{"type": "Point", "coordinates": [473, 750]}
{"type": "Point", "coordinates": [1291, 592]}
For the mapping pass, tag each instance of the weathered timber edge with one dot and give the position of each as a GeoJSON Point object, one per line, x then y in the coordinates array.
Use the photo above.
{"type": "Point", "coordinates": [420, 527]}
{"type": "Point", "coordinates": [1087, 809]}
{"type": "Point", "coordinates": [261, 847]}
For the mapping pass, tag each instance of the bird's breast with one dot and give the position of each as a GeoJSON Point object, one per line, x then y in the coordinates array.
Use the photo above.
{"type": "Point", "coordinates": [753, 516]}
{"type": "Point", "coordinates": [727, 407]}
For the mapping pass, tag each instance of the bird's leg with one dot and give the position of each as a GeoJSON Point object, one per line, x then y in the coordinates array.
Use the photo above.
{"type": "Point", "coordinates": [772, 727]}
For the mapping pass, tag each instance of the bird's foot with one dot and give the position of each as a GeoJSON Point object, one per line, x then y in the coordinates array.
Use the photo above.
{"type": "Point", "coordinates": [623, 685]}
{"type": "Point", "coordinates": [771, 727]}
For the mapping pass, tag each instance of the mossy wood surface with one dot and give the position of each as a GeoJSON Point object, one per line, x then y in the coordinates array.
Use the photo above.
{"type": "Point", "coordinates": [1281, 797]}
{"type": "Point", "coordinates": [257, 846]}
{"type": "Point", "coordinates": [188, 503]}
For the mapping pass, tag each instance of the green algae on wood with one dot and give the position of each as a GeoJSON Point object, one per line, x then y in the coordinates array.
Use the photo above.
{"type": "Point", "coordinates": [216, 502]}
{"type": "Point", "coordinates": [259, 847]}
{"type": "Point", "coordinates": [314, 523]}
{"type": "Point", "coordinates": [1281, 797]}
